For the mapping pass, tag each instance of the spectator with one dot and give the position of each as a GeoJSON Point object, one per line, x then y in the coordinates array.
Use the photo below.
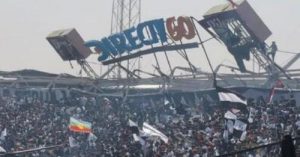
{"type": "Point", "coordinates": [194, 130]}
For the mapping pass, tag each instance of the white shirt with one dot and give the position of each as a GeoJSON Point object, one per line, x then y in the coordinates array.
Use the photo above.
{"type": "Point", "coordinates": [298, 124]}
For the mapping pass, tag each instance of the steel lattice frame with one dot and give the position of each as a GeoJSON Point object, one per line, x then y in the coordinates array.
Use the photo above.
{"type": "Point", "coordinates": [125, 14]}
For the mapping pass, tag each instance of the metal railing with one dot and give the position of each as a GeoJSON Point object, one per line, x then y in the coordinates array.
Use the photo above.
{"type": "Point", "coordinates": [268, 150]}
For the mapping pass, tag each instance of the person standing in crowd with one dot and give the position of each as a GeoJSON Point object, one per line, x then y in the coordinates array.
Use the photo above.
{"type": "Point", "coordinates": [287, 147]}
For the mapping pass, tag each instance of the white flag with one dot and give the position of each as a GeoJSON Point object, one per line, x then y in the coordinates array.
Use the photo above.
{"type": "Point", "coordinates": [151, 131]}
{"type": "Point", "coordinates": [92, 137]}
{"type": "Point", "coordinates": [166, 101]}
{"type": "Point", "coordinates": [235, 111]}
{"type": "Point", "coordinates": [3, 134]}
{"type": "Point", "coordinates": [230, 115]}
{"type": "Point", "coordinates": [132, 123]}
{"type": "Point", "coordinates": [138, 139]}
{"type": "Point", "coordinates": [243, 136]}
{"type": "Point", "coordinates": [72, 142]}
{"type": "Point", "coordinates": [2, 150]}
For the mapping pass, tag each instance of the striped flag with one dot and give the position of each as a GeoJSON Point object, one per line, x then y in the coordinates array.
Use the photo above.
{"type": "Point", "coordinates": [231, 99]}
{"type": "Point", "coordinates": [80, 126]}
{"type": "Point", "coordinates": [226, 95]}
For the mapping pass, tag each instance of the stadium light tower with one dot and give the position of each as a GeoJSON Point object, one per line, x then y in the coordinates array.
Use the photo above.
{"type": "Point", "coordinates": [125, 14]}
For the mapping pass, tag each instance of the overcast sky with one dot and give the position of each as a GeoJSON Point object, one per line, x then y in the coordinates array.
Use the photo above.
{"type": "Point", "coordinates": [25, 24]}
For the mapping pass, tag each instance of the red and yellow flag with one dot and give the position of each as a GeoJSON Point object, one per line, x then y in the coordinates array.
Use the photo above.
{"type": "Point", "coordinates": [80, 126]}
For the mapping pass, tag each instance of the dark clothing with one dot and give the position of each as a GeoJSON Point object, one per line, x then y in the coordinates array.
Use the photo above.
{"type": "Point", "coordinates": [287, 147]}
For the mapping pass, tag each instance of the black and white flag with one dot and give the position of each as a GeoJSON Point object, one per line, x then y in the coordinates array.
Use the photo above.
{"type": "Point", "coordinates": [226, 95]}
{"type": "Point", "coordinates": [133, 127]}
{"type": "Point", "coordinates": [231, 99]}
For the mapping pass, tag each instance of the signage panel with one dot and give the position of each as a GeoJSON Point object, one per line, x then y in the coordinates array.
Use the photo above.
{"type": "Point", "coordinates": [148, 33]}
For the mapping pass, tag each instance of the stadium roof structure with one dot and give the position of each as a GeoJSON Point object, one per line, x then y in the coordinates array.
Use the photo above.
{"type": "Point", "coordinates": [27, 72]}
{"type": "Point", "coordinates": [39, 79]}
{"type": "Point", "coordinates": [194, 79]}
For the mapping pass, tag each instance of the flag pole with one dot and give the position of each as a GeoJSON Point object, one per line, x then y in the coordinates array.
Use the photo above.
{"type": "Point", "coordinates": [205, 52]}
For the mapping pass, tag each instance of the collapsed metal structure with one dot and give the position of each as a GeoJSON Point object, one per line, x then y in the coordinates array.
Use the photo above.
{"type": "Point", "coordinates": [237, 26]}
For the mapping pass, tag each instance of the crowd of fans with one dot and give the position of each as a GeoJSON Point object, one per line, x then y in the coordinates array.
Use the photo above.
{"type": "Point", "coordinates": [196, 128]}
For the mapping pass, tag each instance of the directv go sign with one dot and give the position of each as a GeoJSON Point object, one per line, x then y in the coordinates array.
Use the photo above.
{"type": "Point", "coordinates": [144, 34]}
